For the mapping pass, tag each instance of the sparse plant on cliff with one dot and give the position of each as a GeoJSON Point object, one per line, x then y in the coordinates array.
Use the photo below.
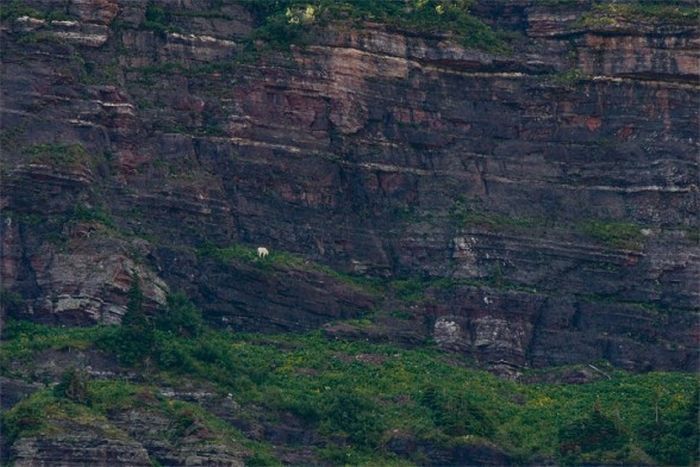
{"type": "Point", "coordinates": [27, 417]}
{"type": "Point", "coordinates": [158, 20]}
{"type": "Point", "coordinates": [73, 386]}
{"type": "Point", "coordinates": [668, 11]}
{"type": "Point", "coordinates": [180, 317]}
{"type": "Point", "coordinates": [135, 339]}
{"type": "Point", "coordinates": [568, 78]}
{"type": "Point", "coordinates": [10, 301]}
{"type": "Point", "coordinates": [614, 234]}
{"type": "Point", "coordinates": [85, 213]}
{"type": "Point", "coordinates": [58, 154]}
{"type": "Point", "coordinates": [137, 327]}
{"type": "Point", "coordinates": [18, 8]}
{"type": "Point", "coordinates": [282, 21]}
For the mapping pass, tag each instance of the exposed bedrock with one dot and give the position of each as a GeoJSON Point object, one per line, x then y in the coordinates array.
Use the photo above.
{"type": "Point", "coordinates": [554, 187]}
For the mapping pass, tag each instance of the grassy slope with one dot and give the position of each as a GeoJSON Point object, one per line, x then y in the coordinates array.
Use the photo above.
{"type": "Point", "coordinates": [358, 394]}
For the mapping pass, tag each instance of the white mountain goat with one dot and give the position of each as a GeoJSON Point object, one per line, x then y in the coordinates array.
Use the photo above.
{"type": "Point", "coordinates": [262, 252]}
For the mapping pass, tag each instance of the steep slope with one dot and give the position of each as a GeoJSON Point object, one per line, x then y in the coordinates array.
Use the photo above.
{"type": "Point", "coordinates": [517, 186]}
{"type": "Point", "coordinates": [561, 174]}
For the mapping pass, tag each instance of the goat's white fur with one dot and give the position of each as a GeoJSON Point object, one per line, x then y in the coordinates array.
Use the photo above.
{"type": "Point", "coordinates": [263, 252]}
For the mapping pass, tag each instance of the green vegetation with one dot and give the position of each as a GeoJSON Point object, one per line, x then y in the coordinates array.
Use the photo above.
{"type": "Point", "coordinates": [148, 74]}
{"type": "Point", "coordinates": [415, 289]}
{"type": "Point", "coordinates": [63, 154]}
{"type": "Point", "coordinates": [158, 19]}
{"type": "Point", "coordinates": [31, 416]}
{"type": "Point", "coordinates": [615, 234]}
{"type": "Point", "coordinates": [592, 435]}
{"type": "Point", "coordinates": [18, 8]}
{"type": "Point", "coordinates": [469, 213]}
{"type": "Point", "coordinates": [408, 289]}
{"type": "Point", "coordinates": [135, 339]}
{"type": "Point", "coordinates": [692, 234]}
{"type": "Point", "coordinates": [93, 74]}
{"type": "Point", "coordinates": [73, 386]}
{"type": "Point", "coordinates": [608, 232]}
{"type": "Point", "coordinates": [83, 213]}
{"type": "Point", "coordinates": [10, 300]}
{"type": "Point", "coordinates": [653, 307]}
{"type": "Point", "coordinates": [180, 318]}
{"type": "Point", "coordinates": [284, 21]}
{"type": "Point", "coordinates": [10, 136]}
{"type": "Point", "coordinates": [667, 12]}
{"type": "Point", "coordinates": [357, 404]}
{"type": "Point", "coordinates": [286, 260]}
{"type": "Point", "coordinates": [46, 411]}
{"type": "Point", "coordinates": [568, 78]}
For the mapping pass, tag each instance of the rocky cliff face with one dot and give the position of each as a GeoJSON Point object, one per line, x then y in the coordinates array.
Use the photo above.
{"type": "Point", "coordinates": [528, 208]}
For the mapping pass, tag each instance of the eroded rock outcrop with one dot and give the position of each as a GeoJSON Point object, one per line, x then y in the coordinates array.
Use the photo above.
{"type": "Point", "coordinates": [558, 182]}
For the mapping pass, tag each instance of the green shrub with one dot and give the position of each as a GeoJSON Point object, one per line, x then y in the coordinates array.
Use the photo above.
{"type": "Point", "coordinates": [158, 20]}
{"type": "Point", "coordinates": [654, 11]}
{"type": "Point", "coordinates": [468, 213]}
{"type": "Point", "coordinates": [412, 289]}
{"type": "Point", "coordinates": [568, 78]}
{"type": "Point", "coordinates": [16, 9]}
{"type": "Point", "coordinates": [135, 339]}
{"type": "Point", "coordinates": [455, 414]}
{"type": "Point", "coordinates": [73, 386]}
{"type": "Point", "coordinates": [354, 415]}
{"type": "Point", "coordinates": [180, 317]}
{"type": "Point", "coordinates": [279, 32]}
{"type": "Point", "coordinates": [615, 234]}
{"type": "Point", "coordinates": [27, 417]}
{"type": "Point", "coordinates": [10, 301]}
{"type": "Point", "coordinates": [594, 433]}
{"type": "Point", "coordinates": [92, 214]}
{"type": "Point", "coordinates": [283, 22]}
{"type": "Point", "coordinates": [19, 8]}
{"type": "Point", "coordinates": [61, 154]}
{"type": "Point", "coordinates": [671, 436]}
{"type": "Point", "coordinates": [172, 355]}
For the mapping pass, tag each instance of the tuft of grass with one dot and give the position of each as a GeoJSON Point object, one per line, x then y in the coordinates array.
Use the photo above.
{"type": "Point", "coordinates": [467, 214]}
{"type": "Point", "coordinates": [614, 234]}
{"type": "Point", "coordinates": [62, 154]}
{"type": "Point", "coordinates": [666, 12]}
{"type": "Point", "coordinates": [83, 213]}
{"type": "Point", "coordinates": [568, 78]}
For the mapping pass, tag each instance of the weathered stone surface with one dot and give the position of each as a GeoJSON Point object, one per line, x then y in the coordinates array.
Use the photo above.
{"type": "Point", "coordinates": [81, 449]}
{"type": "Point", "coordinates": [372, 151]}
{"type": "Point", "coordinates": [193, 447]}
{"type": "Point", "coordinates": [14, 390]}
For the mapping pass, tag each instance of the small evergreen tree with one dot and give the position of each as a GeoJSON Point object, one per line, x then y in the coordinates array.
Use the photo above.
{"type": "Point", "coordinates": [180, 317]}
{"type": "Point", "coordinates": [595, 435]}
{"type": "Point", "coordinates": [137, 333]}
{"type": "Point", "coordinates": [73, 386]}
